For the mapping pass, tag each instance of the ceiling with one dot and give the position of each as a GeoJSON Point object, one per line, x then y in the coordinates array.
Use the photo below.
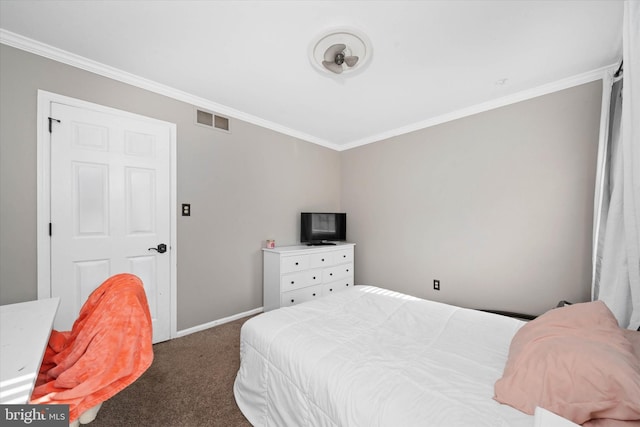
{"type": "Point", "coordinates": [431, 60]}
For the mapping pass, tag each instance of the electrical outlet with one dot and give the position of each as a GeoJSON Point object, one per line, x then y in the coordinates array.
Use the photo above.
{"type": "Point", "coordinates": [186, 209]}
{"type": "Point", "coordinates": [436, 285]}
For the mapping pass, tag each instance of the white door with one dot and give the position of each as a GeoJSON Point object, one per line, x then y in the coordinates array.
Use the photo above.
{"type": "Point", "coordinates": [110, 208]}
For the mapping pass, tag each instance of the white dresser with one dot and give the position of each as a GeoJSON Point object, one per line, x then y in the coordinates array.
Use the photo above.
{"type": "Point", "coordinates": [294, 274]}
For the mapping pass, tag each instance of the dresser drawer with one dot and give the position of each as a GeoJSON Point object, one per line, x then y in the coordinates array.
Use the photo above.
{"type": "Point", "coordinates": [300, 279]}
{"type": "Point", "coordinates": [294, 263]}
{"type": "Point", "coordinates": [337, 272]}
{"type": "Point", "coordinates": [337, 286]}
{"type": "Point", "coordinates": [300, 295]}
{"type": "Point", "coordinates": [343, 255]}
{"type": "Point", "coordinates": [321, 260]}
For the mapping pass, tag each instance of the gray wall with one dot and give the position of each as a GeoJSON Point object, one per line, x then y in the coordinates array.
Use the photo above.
{"type": "Point", "coordinates": [497, 206]}
{"type": "Point", "coordinates": [243, 187]}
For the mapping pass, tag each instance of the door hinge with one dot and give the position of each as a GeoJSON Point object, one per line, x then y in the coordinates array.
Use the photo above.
{"type": "Point", "coordinates": [51, 119]}
{"type": "Point", "coordinates": [49, 229]}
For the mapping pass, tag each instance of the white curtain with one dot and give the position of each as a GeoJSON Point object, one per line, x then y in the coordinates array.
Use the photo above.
{"type": "Point", "coordinates": [616, 279]}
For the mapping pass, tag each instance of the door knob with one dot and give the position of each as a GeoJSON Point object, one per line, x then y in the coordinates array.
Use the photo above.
{"type": "Point", "coordinates": [162, 248]}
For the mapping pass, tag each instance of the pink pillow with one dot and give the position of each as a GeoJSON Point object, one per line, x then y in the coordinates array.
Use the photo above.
{"type": "Point", "coordinates": [574, 361]}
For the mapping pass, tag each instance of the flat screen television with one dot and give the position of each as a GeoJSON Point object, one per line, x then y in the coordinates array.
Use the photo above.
{"type": "Point", "coordinates": [319, 228]}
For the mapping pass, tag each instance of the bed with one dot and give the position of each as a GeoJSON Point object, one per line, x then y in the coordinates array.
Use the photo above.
{"type": "Point", "coordinates": [373, 357]}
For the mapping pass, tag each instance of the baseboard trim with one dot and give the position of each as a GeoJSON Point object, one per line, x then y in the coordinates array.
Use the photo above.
{"type": "Point", "coordinates": [204, 326]}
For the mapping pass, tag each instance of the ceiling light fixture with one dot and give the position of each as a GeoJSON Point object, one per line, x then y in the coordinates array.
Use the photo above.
{"type": "Point", "coordinates": [340, 51]}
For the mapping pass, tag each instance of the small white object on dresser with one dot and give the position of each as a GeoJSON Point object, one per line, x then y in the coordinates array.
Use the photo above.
{"type": "Point", "coordinates": [294, 274]}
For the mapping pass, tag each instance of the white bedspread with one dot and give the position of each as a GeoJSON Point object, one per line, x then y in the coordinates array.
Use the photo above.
{"type": "Point", "coordinates": [371, 357]}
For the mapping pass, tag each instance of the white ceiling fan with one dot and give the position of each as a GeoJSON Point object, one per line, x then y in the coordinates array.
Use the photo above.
{"type": "Point", "coordinates": [340, 51]}
{"type": "Point", "coordinates": [336, 57]}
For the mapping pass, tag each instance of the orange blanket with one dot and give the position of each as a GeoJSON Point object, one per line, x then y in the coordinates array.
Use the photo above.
{"type": "Point", "coordinates": [108, 348]}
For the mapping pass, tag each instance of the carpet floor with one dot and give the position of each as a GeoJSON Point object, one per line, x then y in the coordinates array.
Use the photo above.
{"type": "Point", "coordinates": [189, 383]}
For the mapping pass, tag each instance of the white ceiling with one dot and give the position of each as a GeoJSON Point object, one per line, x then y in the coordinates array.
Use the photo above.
{"type": "Point", "coordinates": [432, 60]}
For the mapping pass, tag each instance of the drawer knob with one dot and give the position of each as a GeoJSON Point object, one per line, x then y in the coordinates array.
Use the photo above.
{"type": "Point", "coordinates": [322, 259]}
{"type": "Point", "coordinates": [314, 294]}
{"type": "Point", "coordinates": [292, 300]}
{"type": "Point", "coordinates": [347, 270]}
{"type": "Point", "coordinates": [347, 284]}
{"type": "Point", "coordinates": [296, 263]}
{"type": "Point", "coordinates": [330, 289]}
{"type": "Point", "coordinates": [344, 256]}
{"type": "Point", "coordinates": [330, 274]}
{"type": "Point", "coordinates": [314, 277]}
{"type": "Point", "coordinates": [292, 282]}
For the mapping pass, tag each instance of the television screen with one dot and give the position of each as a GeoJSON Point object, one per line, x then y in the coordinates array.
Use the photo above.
{"type": "Point", "coordinates": [323, 228]}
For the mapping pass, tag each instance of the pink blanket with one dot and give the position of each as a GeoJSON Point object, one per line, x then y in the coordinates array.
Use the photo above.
{"type": "Point", "coordinates": [108, 348]}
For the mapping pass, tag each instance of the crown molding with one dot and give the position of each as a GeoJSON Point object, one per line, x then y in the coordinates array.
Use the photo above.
{"type": "Point", "coordinates": [590, 76]}
{"type": "Point", "coordinates": [24, 43]}
{"type": "Point", "coordinates": [29, 45]}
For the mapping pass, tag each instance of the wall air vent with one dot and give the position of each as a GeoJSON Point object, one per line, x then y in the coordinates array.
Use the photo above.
{"type": "Point", "coordinates": [211, 120]}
